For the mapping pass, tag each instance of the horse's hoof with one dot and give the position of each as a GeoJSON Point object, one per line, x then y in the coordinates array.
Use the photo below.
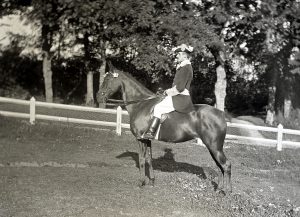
{"type": "Point", "coordinates": [142, 183]}
{"type": "Point", "coordinates": [215, 185]}
{"type": "Point", "coordinates": [228, 190]}
{"type": "Point", "coordinates": [220, 186]}
{"type": "Point", "coordinates": [151, 182]}
{"type": "Point", "coordinates": [221, 192]}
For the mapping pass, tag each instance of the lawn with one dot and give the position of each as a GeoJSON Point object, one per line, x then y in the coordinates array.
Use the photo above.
{"type": "Point", "coordinates": [51, 169]}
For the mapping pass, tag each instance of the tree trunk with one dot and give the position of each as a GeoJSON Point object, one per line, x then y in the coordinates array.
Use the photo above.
{"type": "Point", "coordinates": [90, 89]}
{"type": "Point", "coordinates": [89, 99]}
{"type": "Point", "coordinates": [271, 105]}
{"type": "Point", "coordinates": [220, 87]}
{"type": "Point", "coordinates": [278, 68]}
{"type": "Point", "coordinates": [288, 90]}
{"type": "Point", "coordinates": [221, 83]}
{"type": "Point", "coordinates": [273, 71]}
{"type": "Point", "coordinates": [288, 81]}
{"type": "Point", "coordinates": [101, 78]}
{"type": "Point", "coordinates": [287, 108]}
{"type": "Point", "coordinates": [47, 73]}
{"type": "Point", "coordinates": [47, 39]}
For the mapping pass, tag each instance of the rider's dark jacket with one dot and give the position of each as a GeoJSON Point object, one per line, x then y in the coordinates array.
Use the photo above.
{"type": "Point", "coordinates": [182, 80]}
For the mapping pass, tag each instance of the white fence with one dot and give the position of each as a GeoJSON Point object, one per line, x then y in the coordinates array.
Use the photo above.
{"type": "Point", "coordinates": [280, 131]}
{"type": "Point", "coordinates": [33, 116]}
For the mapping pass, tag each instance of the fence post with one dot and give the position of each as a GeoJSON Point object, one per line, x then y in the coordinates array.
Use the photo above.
{"type": "Point", "coordinates": [119, 121]}
{"type": "Point", "coordinates": [279, 137]}
{"type": "Point", "coordinates": [32, 111]}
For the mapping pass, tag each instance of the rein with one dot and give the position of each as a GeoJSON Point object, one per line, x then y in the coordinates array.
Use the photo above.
{"type": "Point", "coordinates": [125, 103]}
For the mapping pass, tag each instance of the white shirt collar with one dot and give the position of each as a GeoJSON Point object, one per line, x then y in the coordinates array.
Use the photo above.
{"type": "Point", "coordinates": [183, 63]}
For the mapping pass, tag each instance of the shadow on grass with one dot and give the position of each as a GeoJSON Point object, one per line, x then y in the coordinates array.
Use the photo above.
{"type": "Point", "coordinates": [167, 163]}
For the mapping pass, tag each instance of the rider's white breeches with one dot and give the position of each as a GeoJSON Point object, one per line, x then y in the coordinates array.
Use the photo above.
{"type": "Point", "coordinates": [165, 106]}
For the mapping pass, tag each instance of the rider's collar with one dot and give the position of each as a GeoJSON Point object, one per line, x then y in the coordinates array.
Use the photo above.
{"type": "Point", "coordinates": [183, 63]}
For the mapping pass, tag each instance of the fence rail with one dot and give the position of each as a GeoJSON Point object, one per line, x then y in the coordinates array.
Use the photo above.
{"type": "Point", "coordinates": [32, 116]}
{"type": "Point", "coordinates": [118, 124]}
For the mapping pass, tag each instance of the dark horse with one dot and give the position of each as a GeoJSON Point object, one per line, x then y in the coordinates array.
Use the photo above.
{"type": "Point", "coordinates": [205, 122]}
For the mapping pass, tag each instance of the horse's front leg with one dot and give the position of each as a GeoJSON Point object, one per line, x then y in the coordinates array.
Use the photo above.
{"type": "Point", "coordinates": [149, 162]}
{"type": "Point", "coordinates": [142, 159]}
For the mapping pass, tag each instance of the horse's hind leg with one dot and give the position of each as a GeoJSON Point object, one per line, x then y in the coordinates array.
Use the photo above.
{"type": "Point", "coordinates": [149, 162]}
{"type": "Point", "coordinates": [225, 167]}
{"type": "Point", "coordinates": [214, 143]}
{"type": "Point", "coordinates": [142, 158]}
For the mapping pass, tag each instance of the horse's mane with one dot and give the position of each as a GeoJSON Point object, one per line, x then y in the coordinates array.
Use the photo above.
{"type": "Point", "coordinates": [138, 83]}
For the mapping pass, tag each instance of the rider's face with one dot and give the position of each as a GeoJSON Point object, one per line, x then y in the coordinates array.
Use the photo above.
{"type": "Point", "coordinates": [181, 56]}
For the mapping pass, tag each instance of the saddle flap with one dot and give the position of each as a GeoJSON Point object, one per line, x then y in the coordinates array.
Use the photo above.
{"type": "Point", "coordinates": [163, 118]}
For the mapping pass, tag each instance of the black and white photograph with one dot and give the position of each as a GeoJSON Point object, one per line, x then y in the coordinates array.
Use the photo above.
{"type": "Point", "coordinates": [150, 108]}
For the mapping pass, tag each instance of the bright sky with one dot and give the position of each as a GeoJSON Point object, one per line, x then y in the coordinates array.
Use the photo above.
{"type": "Point", "coordinates": [12, 24]}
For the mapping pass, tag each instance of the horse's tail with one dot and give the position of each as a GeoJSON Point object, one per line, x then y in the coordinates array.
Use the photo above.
{"type": "Point", "coordinates": [228, 117]}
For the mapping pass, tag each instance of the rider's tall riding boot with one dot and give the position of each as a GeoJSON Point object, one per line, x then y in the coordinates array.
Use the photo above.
{"type": "Point", "coordinates": [150, 134]}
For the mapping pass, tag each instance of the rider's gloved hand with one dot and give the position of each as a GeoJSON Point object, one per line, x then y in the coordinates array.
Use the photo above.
{"type": "Point", "coordinates": [160, 92]}
{"type": "Point", "coordinates": [172, 91]}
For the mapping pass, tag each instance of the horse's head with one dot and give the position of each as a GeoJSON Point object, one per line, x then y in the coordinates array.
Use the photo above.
{"type": "Point", "coordinates": [111, 84]}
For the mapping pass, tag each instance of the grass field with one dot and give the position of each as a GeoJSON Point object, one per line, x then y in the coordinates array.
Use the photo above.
{"type": "Point", "coordinates": [56, 170]}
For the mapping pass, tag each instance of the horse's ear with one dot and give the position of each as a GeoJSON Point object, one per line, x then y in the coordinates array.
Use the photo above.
{"type": "Point", "coordinates": [111, 68]}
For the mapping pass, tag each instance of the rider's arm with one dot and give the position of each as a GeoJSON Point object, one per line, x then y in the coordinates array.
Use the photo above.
{"type": "Point", "coordinates": [181, 78]}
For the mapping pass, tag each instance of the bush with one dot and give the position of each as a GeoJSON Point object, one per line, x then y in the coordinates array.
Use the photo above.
{"type": "Point", "coordinates": [16, 92]}
{"type": "Point", "coordinates": [293, 122]}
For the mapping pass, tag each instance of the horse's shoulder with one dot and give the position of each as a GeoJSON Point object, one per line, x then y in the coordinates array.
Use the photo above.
{"type": "Point", "coordinates": [145, 108]}
{"type": "Point", "coordinates": [149, 104]}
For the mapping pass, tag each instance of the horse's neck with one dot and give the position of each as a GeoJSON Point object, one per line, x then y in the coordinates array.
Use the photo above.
{"type": "Point", "coordinates": [132, 91]}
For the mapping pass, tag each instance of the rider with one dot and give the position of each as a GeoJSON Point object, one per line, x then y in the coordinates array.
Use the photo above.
{"type": "Point", "coordinates": [178, 97]}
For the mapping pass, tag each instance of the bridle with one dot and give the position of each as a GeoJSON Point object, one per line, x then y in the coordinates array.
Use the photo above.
{"type": "Point", "coordinates": [125, 103]}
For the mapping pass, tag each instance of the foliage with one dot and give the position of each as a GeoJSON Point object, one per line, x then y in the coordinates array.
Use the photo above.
{"type": "Point", "coordinates": [264, 32]}
{"type": "Point", "coordinates": [145, 31]}
{"type": "Point", "coordinates": [249, 100]}
{"type": "Point", "coordinates": [8, 7]}
{"type": "Point", "coordinates": [139, 35]}
{"type": "Point", "coordinates": [23, 75]}
{"type": "Point", "coordinates": [69, 80]}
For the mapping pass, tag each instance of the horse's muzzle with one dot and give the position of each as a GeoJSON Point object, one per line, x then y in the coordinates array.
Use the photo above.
{"type": "Point", "coordinates": [104, 99]}
{"type": "Point", "coordinates": [101, 97]}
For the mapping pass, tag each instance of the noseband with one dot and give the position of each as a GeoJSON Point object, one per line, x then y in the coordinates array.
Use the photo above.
{"type": "Point", "coordinates": [125, 103]}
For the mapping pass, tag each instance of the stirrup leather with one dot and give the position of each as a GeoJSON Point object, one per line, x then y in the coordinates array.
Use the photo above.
{"type": "Point", "coordinates": [150, 133]}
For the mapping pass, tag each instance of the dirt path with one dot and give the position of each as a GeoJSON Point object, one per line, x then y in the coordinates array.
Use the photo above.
{"type": "Point", "coordinates": [247, 132]}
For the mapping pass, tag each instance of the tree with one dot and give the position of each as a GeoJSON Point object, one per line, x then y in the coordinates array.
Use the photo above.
{"type": "Point", "coordinates": [278, 24]}
{"type": "Point", "coordinates": [145, 31]}
{"type": "Point", "coordinates": [221, 15]}
{"type": "Point", "coordinates": [46, 13]}
{"type": "Point", "coordinates": [87, 25]}
{"type": "Point", "coordinates": [265, 33]}
{"type": "Point", "coordinates": [221, 82]}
